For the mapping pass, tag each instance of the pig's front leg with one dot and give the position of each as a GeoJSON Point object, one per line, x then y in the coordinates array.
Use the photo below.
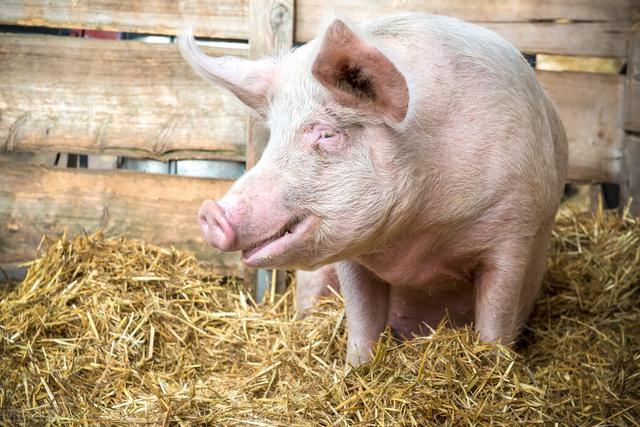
{"type": "Point", "coordinates": [366, 300]}
{"type": "Point", "coordinates": [311, 285]}
{"type": "Point", "coordinates": [498, 292]}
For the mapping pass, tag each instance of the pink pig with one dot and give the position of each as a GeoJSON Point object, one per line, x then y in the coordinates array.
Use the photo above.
{"type": "Point", "coordinates": [415, 154]}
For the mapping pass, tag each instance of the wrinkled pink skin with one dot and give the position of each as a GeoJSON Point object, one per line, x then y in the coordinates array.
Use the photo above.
{"type": "Point", "coordinates": [430, 176]}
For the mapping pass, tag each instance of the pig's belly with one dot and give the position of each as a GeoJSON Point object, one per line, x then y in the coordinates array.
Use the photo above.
{"type": "Point", "coordinates": [410, 309]}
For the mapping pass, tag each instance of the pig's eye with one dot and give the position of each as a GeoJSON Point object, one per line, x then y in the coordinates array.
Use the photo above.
{"type": "Point", "coordinates": [328, 133]}
{"type": "Point", "coordinates": [323, 137]}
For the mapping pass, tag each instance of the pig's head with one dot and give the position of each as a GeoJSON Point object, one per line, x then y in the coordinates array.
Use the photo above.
{"type": "Point", "coordinates": [326, 185]}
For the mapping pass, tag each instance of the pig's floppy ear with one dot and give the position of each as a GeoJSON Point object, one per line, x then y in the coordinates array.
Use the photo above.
{"type": "Point", "coordinates": [248, 80]}
{"type": "Point", "coordinates": [358, 75]}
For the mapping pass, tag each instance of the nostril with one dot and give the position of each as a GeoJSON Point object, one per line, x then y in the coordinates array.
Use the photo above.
{"type": "Point", "coordinates": [216, 229]}
{"type": "Point", "coordinates": [202, 221]}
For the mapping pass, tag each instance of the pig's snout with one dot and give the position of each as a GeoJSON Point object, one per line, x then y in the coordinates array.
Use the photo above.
{"type": "Point", "coordinates": [215, 227]}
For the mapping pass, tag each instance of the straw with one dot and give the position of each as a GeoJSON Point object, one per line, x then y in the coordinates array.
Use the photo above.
{"type": "Point", "coordinates": [112, 331]}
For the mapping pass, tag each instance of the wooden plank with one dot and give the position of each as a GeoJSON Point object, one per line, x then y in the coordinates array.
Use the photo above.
{"type": "Point", "coordinates": [160, 209]}
{"type": "Point", "coordinates": [580, 27]}
{"type": "Point", "coordinates": [210, 18]}
{"type": "Point", "coordinates": [591, 27]}
{"type": "Point", "coordinates": [271, 31]}
{"type": "Point", "coordinates": [630, 179]}
{"type": "Point", "coordinates": [113, 97]}
{"type": "Point", "coordinates": [271, 27]}
{"type": "Point", "coordinates": [632, 89]}
{"type": "Point", "coordinates": [630, 176]}
{"type": "Point", "coordinates": [308, 11]}
{"type": "Point", "coordinates": [581, 39]}
{"type": "Point", "coordinates": [590, 106]}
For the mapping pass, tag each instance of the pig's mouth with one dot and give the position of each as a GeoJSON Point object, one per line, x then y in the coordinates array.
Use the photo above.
{"type": "Point", "coordinates": [265, 252]}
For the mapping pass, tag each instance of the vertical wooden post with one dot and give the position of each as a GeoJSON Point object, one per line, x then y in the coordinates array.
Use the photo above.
{"type": "Point", "coordinates": [270, 31]}
{"type": "Point", "coordinates": [630, 174]}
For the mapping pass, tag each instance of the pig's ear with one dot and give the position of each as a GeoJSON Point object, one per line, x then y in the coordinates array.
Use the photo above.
{"type": "Point", "coordinates": [358, 75]}
{"type": "Point", "coordinates": [248, 80]}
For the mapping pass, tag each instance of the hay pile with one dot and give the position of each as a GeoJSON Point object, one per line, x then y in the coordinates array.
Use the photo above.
{"type": "Point", "coordinates": [119, 332]}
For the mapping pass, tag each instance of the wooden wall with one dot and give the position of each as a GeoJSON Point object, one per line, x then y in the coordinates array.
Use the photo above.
{"type": "Point", "coordinates": [128, 98]}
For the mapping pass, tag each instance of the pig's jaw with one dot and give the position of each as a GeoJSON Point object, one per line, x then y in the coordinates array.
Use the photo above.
{"type": "Point", "coordinates": [277, 248]}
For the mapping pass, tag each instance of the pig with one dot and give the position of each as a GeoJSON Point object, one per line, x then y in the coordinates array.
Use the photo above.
{"type": "Point", "coordinates": [312, 285]}
{"type": "Point", "coordinates": [416, 156]}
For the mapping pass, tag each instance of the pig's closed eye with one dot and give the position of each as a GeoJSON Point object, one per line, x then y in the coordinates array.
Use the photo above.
{"type": "Point", "coordinates": [327, 134]}
{"type": "Point", "coordinates": [324, 137]}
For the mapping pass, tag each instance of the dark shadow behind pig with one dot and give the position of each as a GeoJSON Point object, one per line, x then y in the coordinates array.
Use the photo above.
{"type": "Point", "coordinates": [418, 154]}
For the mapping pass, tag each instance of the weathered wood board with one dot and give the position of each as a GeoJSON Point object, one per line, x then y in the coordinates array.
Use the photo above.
{"type": "Point", "coordinates": [591, 108]}
{"type": "Point", "coordinates": [210, 18]}
{"type": "Point", "coordinates": [582, 27]}
{"type": "Point", "coordinates": [113, 97]}
{"type": "Point", "coordinates": [160, 209]}
{"type": "Point", "coordinates": [630, 177]}
{"type": "Point", "coordinates": [632, 96]}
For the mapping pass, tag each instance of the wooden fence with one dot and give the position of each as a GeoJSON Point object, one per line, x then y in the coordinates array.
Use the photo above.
{"type": "Point", "coordinates": [135, 99]}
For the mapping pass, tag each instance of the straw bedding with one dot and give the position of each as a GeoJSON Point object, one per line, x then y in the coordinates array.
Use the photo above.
{"type": "Point", "coordinates": [120, 332]}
